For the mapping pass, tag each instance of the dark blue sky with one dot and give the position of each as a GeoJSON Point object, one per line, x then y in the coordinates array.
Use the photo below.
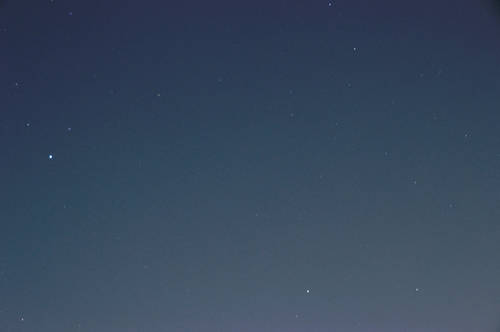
{"type": "Point", "coordinates": [249, 166]}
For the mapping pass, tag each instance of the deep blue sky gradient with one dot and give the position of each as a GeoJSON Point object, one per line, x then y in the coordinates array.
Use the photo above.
{"type": "Point", "coordinates": [249, 166]}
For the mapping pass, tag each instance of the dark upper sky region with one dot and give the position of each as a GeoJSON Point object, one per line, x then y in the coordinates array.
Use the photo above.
{"type": "Point", "coordinates": [249, 166]}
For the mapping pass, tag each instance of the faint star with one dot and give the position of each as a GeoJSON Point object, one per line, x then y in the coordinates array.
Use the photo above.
{"type": "Point", "coordinates": [51, 156]}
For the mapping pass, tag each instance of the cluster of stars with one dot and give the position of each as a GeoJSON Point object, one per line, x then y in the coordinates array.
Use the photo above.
{"type": "Point", "coordinates": [50, 156]}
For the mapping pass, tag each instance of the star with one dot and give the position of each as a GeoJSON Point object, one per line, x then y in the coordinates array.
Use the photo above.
{"type": "Point", "coordinates": [51, 156]}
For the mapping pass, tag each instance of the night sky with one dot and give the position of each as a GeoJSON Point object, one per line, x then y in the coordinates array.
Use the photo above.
{"type": "Point", "coordinates": [249, 166]}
